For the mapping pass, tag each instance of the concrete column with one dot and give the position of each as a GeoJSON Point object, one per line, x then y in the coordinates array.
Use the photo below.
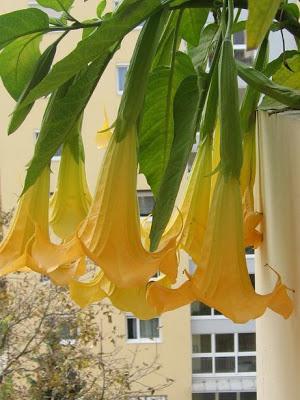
{"type": "Point", "coordinates": [278, 340]}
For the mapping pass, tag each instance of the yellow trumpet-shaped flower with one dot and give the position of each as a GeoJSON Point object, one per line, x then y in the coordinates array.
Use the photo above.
{"type": "Point", "coordinates": [189, 224]}
{"type": "Point", "coordinates": [126, 299]}
{"type": "Point", "coordinates": [104, 135]}
{"type": "Point", "coordinates": [111, 233]}
{"type": "Point", "coordinates": [221, 279]}
{"type": "Point", "coordinates": [32, 210]}
{"type": "Point", "coordinates": [71, 201]}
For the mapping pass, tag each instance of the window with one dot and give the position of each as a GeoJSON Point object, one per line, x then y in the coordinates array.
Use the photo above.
{"type": "Point", "coordinates": [67, 331]}
{"type": "Point", "coordinates": [57, 155]}
{"type": "Point", "coordinates": [225, 396]}
{"type": "Point", "coordinates": [142, 331]}
{"type": "Point", "coordinates": [224, 353]}
{"type": "Point", "coordinates": [240, 48]}
{"type": "Point", "coordinates": [146, 202]}
{"type": "Point", "coordinates": [121, 77]}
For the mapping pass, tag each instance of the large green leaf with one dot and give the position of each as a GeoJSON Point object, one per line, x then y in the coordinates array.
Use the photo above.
{"type": "Point", "coordinates": [285, 76]}
{"type": "Point", "coordinates": [273, 66]}
{"type": "Point", "coordinates": [128, 15]}
{"type": "Point", "coordinates": [193, 21]}
{"type": "Point", "coordinates": [42, 68]}
{"type": "Point", "coordinates": [261, 15]}
{"type": "Point", "coordinates": [186, 108]}
{"type": "Point", "coordinates": [58, 5]}
{"type": "Point", "coordinates": [21, 23]}
{"type": "Point", "coordinates": [17, 63]}
{"type": "Point", "coordinates": [63, 112]}
{"type": "Point", "coordinates": [200, 53]}
{"type": "Point", "coordinates": [283, 94]}
{"type": "Point", "coordinates": [156, 130]}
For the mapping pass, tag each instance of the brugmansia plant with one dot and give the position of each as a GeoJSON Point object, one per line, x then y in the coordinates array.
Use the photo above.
{"type": "Point", "coordinates": [182, 80]}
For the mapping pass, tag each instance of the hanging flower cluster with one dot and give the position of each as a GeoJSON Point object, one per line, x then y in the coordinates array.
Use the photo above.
{"type": "Point", "coordinates": [214, 223]}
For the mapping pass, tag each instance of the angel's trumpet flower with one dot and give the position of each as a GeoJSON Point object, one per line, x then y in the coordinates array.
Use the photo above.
{"type": "Point", "coordinates": [129, 300]}
{"type": "Point", "coordinates": [221, 279]}
{"type": "Point", "coordinates": [104, 135]}
{"type": "Point", "coordinates": [71, 200]}
{"type": "Point", "coordinates": [32, 210]}
{"type": "Point", "coordinates": [111, 233]}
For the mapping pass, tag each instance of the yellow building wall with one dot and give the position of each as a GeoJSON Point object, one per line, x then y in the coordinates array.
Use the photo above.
{"type": "Point", "coordinates": [278, 344]}
{"type": "Point", "coordinates": [16, 151]}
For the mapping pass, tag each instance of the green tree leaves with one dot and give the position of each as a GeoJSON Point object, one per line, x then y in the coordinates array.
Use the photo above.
{"type": "Point", "coordinates": [17, 63]}
{"type": "Point", "coordinates": [20, 23]}
{"type": "Point", "coordinates": [261, 14]}
{"type": "Point", "coordinates": [192, 23]}
{"type": "Point", "coordinates": [57, 5]}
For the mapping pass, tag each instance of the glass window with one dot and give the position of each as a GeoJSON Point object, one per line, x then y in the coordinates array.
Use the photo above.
{"type": "Point", "coordinates": [247, 342]}
{"type": "Point", "coordinates": [228, 396]}
{"type": "Point", "coordinates": [224, 343]}
{"type": "Point", "coordinates": [149, 329]}
{"type": "Point", "coordinates": [131, 328]}
{"type": "Point", "coordinates": [201, 343]}
{"type": "Point", "coordinates": [248, 396]}
{"type": "Point", "coordinates": [202, 365]}
{"type": "Point", "coordinates": [198, 309]}
{"type": "Point", "coordinates": [239, 37]}
{"type": "Point", "coordinates": [247, 364]}
{"type": "Point", "coordinates": [121, 77]}
{"type": "Point", "coordinates": [225, 364]}
{"type": "Point", "coordinates": [146, 202]}
{"type": "Point", "coordinates": [204, 396]}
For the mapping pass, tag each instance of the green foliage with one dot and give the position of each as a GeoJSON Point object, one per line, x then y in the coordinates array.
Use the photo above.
{"type": "Point", "coordinates": [192, 23]}
{"type": "Point", "coordinates": [261, 15]}
{"type": "Point", "coordinates": [155, 140]}
{"type": "Point", "coordinates": [24, 22]}
{"type": "Point", "coordinates": [186, 107]}
{"type": "Point", "coordinates": [101, 8]}
{"type": "Point", "coordinates": [58, 5]}
{"type": "Point", "coordinates": [18, 61]}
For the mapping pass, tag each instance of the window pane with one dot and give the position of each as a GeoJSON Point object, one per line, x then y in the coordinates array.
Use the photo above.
{"type": "Point", "coordinates": [224, 343]}
{"type": "Point", "coordinates": [202, 365]}
{"type": "Point", "coordinates": [243, 55]}
{"type": "Point", "coordinates": [247, 364]}
{"type": "Point", "coordinates": [248, 396]}
{"type": "Point", "coordinates": [146, 203]}
{"type": "Point", "coordinates": [225, 364]}
{"type": "Point", "coordinates": [247, 342]}
{"type": "Point", "coordinates": [201, 343]}
{"type": "Point", "coordinates": [149, 329]}
{"type": "Point", "coordinates": [239, 37]}
{"type": "Point", "coordinates": [198, 308]}
{"type": "Point", "coordinates": [252, 278]}
{"type": "Point", "coordinates": [131, 328]}
{"type": "Point", "coordinates": [122, 71]}
{"type": "Point", "coordinates": [227, 396]}
{"type": "Point", "coordinates": [204, 396]}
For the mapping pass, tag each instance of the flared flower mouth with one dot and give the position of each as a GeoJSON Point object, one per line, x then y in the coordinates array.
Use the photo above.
{"type": "Point", "coordinates": [111, 233]}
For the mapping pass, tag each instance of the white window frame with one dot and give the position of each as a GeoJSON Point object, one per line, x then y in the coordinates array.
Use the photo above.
{"type": "Point", "coordinates": [120, 65]}
{"type": "Point", "coordinates": [214, 355]}
{"type": "Point", "coordinates": [139, 339]}
{"type": "Point", "coordinates": [217, 394]}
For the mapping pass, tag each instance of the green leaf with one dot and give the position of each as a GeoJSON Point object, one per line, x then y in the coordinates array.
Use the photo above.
{"type": "Point", "coordinates": [128, 15]}
{"type": "Point", "coordinates": [292, 9]}
{"type": "Point", "coordinates": [260, 82]}
{"type": "Point", "coordinates": [261, 15]}
{"type": "Point", "coordinates": [205, 47]}
{"type": "Point", "coordinates": [21, 23]}
{"type": "Point", "coordinates": [192, 23]}
{"type": "Point", "coordinates": [164, 51]}
{"type": "Point", "coordinates": [57, 5]}
{"type": "Point", "coordinates": [274, 65]}
{"type": "Point", "coordinates": [287, 75]}
{"type": "Point", "coordinates": [17, 63]}
{"type": "Point", "coordinates": [156, 130]}
{"type": "Point", "coordinates": [62, 113]}
{"type": "Point", "coordinates": [101, 8]}
{"type": "Point", "coordinates": [41, 70]}
{"type": "Point", "coordinates": [186, 107]}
